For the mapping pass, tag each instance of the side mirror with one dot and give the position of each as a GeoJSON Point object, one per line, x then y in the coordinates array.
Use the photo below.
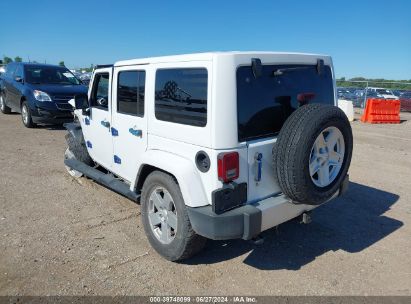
{"type": "Point", "coordinates": [81, 102]}
{"type": "Point", "coordinates": [18, 79]}
{"type": "Point", "coordinates": [257, 67]}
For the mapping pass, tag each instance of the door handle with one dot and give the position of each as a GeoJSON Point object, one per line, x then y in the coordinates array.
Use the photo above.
{"type": "Point", "coordinates": [105, 123]}
{"type": "Point", "coordinates": [134, 131]}
{"type": "Point", "coordinates": [258, 157]}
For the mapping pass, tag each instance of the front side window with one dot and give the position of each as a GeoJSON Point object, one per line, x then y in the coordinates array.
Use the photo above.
{"type": "Point", "coordinates": [130, 92]}
{"type": "Point", "coordinates": [49, 75]}
{"type": "Point", "coordinates": [99, 96]}
{"type": "Point", "coordinates": [181, 96]}
{"type": "Point", "coordinates": [264, 103]}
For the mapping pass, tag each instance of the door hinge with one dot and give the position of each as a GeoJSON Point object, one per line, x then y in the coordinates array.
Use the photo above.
{"type": "Point", "coordinates": [87, 121]}
{"type": "Point", "coordinates": [89, 145]}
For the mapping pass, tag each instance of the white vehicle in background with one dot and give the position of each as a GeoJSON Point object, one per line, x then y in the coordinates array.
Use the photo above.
{"type": "Point", "coordinates": [213, 145]}
{"type": "Point", "coordinates": [382, 93]}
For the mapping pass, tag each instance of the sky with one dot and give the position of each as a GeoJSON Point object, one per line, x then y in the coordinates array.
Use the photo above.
{"type": "Point", "coordinates": [365, 38]}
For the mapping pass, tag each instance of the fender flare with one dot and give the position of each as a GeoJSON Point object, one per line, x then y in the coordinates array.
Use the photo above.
{"type": "Point", "coordinates": [182, 169]}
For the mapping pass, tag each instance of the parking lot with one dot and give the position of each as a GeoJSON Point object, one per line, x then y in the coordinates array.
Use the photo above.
{"type": "Point", "coordinates": [64, 236]}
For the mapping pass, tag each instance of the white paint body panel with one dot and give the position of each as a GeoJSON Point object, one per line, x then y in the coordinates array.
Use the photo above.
{"type": "Point", "coordinates": [128, 147]}
{"type": "Point", "coordinates": [98, 135]}
{"type": "Point", "coordinates": [172, 147]}
{"type": "Point", "coordinates": [268, 185]}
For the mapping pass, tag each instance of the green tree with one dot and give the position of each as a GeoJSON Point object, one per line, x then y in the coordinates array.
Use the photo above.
{"type": "Point", "coordinates": [18, 59]}
{"type": "Point", "coordinates": [7, 60]}
{"type": "Point", "coordinates": [61, 63]}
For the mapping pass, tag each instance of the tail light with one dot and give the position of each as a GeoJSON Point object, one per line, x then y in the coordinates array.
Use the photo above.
{"type": "Point", "coordinates": [228, 166]}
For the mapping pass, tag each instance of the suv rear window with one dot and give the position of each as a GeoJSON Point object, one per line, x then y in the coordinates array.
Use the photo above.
{"type": "Point", "coordinates": [264, 103]}
{"type": "Point", "coordinates": [181, 96]}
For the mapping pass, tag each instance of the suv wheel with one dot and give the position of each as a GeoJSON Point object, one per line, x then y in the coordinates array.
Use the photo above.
{"type": "Point", "coordinates": [313, 153]}
{"type": "Point", "coordinates": [26, 116]}
{"type": "Point", "coordinates": [3, 108]}
{"type": "Point", "coordinates": [165, 219]}
{"type": "Point", "coordinates": [68, 154]}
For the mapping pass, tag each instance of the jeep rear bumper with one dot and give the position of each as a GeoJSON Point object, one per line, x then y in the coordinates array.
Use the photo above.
{"type": "Point", "coordinates": [250, 220]}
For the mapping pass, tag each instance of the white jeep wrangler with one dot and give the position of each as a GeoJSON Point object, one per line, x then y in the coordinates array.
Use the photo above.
{"type": "Point", "coordinates": [213, 145]}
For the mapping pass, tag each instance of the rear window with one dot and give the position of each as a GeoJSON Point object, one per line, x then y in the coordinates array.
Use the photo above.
{"type": "Point", "coordinates": [264, 103]}
{"type": "Point", "coordinates": [181, 96]}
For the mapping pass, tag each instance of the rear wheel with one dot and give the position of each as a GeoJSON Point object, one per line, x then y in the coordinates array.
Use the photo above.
{"type": "Point", "coordinates": [165, 219]}
{"type": "Point", "coordinates": [26, 116]}
{"type": "Point", "coordinates": [313, 153]}
{"type": "Point", "coordinates": [3, 108]}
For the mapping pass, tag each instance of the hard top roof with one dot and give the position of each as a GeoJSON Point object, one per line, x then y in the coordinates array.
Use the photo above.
{"type": "Point", "coordinates": [203, 56]}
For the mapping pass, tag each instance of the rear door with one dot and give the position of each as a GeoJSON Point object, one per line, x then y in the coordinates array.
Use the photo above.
{"type": "Point", "coordinates": [129, 120]}
{"type": "Point", "coordinates": [17, 87]}
{"type": "Point", "coordinates": [9, 90]}
{"type": "Point", "coordinates": [97, 125]}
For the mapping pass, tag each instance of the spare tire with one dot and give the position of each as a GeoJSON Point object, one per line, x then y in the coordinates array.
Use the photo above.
{"type": "Point", "coordinates": [313, 153]}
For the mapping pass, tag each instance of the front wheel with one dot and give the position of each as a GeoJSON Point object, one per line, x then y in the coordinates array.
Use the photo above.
{"type": "Point", "coordinates": [26, 116]}
{"type": "Point", "coordinates": [68, 154]}
{"type": "Point", "coordinates": [165, 219]}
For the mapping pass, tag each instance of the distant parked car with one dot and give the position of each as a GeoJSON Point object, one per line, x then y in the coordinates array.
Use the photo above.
{"type": "Point", "coordinates": [397, 92]}
{"type": "Point", "coordinates": [39, 92]}
{"type": "Point", "coordinates": [346, 93]}
{"type": "Point", "coordinates": [360, 97]}
{"type": "Point", "coordinates": [85, 78]}
{"type": "Point", "coordinates": [382, 93]}
{"type": "Point", "coordinates": [405, 100]}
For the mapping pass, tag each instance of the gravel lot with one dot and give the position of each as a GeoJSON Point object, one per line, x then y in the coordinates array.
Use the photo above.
{"type": "Point", "coordinates": [60, 236]}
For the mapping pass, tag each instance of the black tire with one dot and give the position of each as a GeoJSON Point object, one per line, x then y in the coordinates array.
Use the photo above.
{"type": "Point", "coordinates": [293, 148]}
{"type": "Point", "coordinates": [27, 122]}
{"type": "Point", "coordinates": [78, 147]}
{"type": "Point", "coordinates": [3, 107]}
{"type": "Point", "coordinates": [186, 242]}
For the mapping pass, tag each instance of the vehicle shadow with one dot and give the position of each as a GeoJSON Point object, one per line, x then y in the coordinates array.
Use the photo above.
{"type": "Point", "coordinates": [350, 223]}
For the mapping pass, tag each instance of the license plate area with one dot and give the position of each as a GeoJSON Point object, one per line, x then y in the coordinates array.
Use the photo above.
{"type": "Point", "coordinates": [231, 196]}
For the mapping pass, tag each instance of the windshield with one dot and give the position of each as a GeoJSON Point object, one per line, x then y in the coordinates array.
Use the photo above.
{"type": "Point", "coordinates": [384, 91]}
{"type": "Point", "coordinates": [264, 103]}
{"type": "Point", "coordinates": [49, 75]}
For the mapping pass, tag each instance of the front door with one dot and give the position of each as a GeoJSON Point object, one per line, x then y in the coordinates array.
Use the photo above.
{"type": "Point", "coordinates": [97, 125]}
{"type": "Point", "coordinates": [129, 121]}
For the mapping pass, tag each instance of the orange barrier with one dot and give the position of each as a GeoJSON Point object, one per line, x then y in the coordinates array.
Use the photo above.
{"type": "Point", "coordinates": [381, 111]}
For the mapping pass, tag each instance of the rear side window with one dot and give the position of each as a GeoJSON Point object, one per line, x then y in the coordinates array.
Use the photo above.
{"type": "Point", "coordinates": [264, 103]}
{"type": "Point", "coordinates": [10, 69]}
{"type": "Point", "coordinates": [181, 96]}
{"type": "Point", "coordinates": [130, 92]}
{"type": "Point", "coordinates": [19, 71]}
